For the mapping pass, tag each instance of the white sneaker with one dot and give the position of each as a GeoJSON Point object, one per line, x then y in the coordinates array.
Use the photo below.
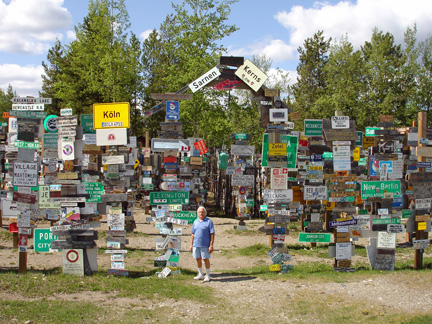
{"type": "Point", "coordinates": [206, 278]}
{"type": "Point", "coordinates": [199, 277]}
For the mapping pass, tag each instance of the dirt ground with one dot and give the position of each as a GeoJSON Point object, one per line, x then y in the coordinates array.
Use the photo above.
{"type": "Point", "coordinates": [254, 298]}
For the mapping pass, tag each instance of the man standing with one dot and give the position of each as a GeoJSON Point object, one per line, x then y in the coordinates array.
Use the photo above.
{"type": "Point", "coordinates": [202, 239]}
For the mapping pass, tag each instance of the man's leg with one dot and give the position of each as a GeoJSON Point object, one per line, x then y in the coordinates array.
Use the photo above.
{"type": "Point", "coordinates": [200, 272]}
{"type": "Point", "coordinates": [207, 265]}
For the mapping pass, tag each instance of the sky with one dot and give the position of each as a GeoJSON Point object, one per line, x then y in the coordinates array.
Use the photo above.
{"type": "Point", "coordinates": [276, 28]}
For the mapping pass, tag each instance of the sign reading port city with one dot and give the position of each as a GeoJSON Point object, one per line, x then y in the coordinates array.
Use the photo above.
{"type": "Point", "coordinates": [251, 75]}
{"type": "Point", "coordinates": [111, 115]}
{"type": "Point", "coordinates": [204, 79]}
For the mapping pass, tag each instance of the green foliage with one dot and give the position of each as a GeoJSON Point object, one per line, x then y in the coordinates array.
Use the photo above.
{"type": "Point", "coordinates": [5, 103]}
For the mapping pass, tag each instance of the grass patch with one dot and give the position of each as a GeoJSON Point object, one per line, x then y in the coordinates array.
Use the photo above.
{"type": "Point", "coordinates": [248, 232]}
{"type": "Point", "coordinates": [34, 284]}
{"type": "Point", "coordinates": [6, 235]}
{"type": "Point", "coordinates": [254, 250]}
{"type": "Point", "coordinates": [136, 234]}
{"type": "Point", "coordinates": [52, 311]}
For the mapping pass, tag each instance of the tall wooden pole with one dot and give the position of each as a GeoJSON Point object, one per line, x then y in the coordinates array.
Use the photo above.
{"type": "Point", "coordinates": [420, 234]}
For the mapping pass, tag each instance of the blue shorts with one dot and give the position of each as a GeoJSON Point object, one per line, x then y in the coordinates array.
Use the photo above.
{"type": "Point", "coordinates": [200, 253]}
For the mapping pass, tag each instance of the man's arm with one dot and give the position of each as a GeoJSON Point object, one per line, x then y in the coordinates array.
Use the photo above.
{"type": "Point", "coordinates": [191, 242]}
{"type": "Point", "coordinates": [212, 237]}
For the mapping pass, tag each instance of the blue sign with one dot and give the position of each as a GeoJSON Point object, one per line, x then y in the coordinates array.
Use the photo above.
{"type": "Point", "coordinates": [316, 157]}
{"type": "Point", "coordinates": [172, 110]}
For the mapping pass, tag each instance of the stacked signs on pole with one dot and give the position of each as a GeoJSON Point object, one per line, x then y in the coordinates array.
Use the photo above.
{"type": "Point", "coordinates": [340, 135]}
{"type": "Point", "coordinates": [111, 122]}
{"type": "Point", "coordinates": [279, 157]}
{"type": "Point", "coordinates": [63, 196]}
{"type": "Point", "coordinates": [384, 194]}
{"type": "Point", "coordinates": [243, 182]}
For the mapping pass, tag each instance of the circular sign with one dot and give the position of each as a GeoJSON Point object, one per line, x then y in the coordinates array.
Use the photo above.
{"type": "Point", "coordinates": [242, 190]}
{"type": "Point", "coordinates": [67, 149]}
{"type": "Point", "coordinates": [52, 167]}
{"type": "Point", "coordinates": [50, 124]}
{"type": "Point", "coordinates": [68, 166]}
{"type": "Point", "coordinates": [72, 256]}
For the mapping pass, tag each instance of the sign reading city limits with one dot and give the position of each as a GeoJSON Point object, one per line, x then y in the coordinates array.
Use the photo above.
{"type": "Point", "coordinates": [315, 237]}
{"type": "Point", "coordinates": [169, 198]}
{"type": "Point", "coordinates": [111, 115]}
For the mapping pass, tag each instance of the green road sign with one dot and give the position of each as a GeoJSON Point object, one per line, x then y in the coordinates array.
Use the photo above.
{"type": "Point", "coordinates": [370, 131]}
{"type": "Point", "coordinates": [250, 202]}
{"type": "Point", "coordinates": [313, 127]}
{"type": "Point", "coordinates": [190, 216]}
{"type": "Point", "coordinates": [169, 198]}
{"type": "Point", "coordinates": [380, 189]}
{"type": "Point", "coordinates": [265, 148]}
{"type": "Point", "coordinates": [147, 186]}
{"type": "Point", "coordinates": [292, 143]}
{"type": "Point", "coordinates": [359, 140]}
{"type": "Point", "coordinates": [263, 207]}
{"type": "Point", "coordinates": [87, 124]}
{"type": "Point", "coordinates": [386, 221]}
{"type": "Point", "coordinates": [314, 237]}
{"type": "Point", "coordinates": [240, 136]}
{"type": "Point", "coordinates": [50, 140]}
{"type": "Point", "coordinates": [29, 145]}
{"type": "Point", "coordinates": [28, 114]}
{"type": "Point", "coordinates": [42, 239]}
{"type": "Point", "coordinates": [406, 213]}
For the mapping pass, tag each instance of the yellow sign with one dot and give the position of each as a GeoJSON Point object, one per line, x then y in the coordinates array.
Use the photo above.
{"type": "Point", "coordinates": [111, 115]}
{"type": "Point", "coordinates": [356, 154]}
{"type": "Point", "coordinates": [368, 141]}
{"type": "Point", "coordinates": [277, 149]}
{"type": "Point", "coordinates": [422, 226]}
{"type": "Point", "coordinates": [275, 267]}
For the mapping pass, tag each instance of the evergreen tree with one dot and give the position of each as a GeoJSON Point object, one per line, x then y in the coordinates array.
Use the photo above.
{"type": "Point", "coordinates": [311, 83]}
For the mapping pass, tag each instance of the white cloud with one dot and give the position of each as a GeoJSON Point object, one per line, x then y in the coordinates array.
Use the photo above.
{"type": "Point", "coordinates": [357, 19]}
{"type": "Point", "coordinates": [274, 49]}
{"type": "Point", "coordinates": [25, 80]}
{"type": "Point", "coordinates": [28, 26]}
{"type": "Point", "coordinates": [71, 35]}
{"type": "Point", "coordinates": [145, 34]}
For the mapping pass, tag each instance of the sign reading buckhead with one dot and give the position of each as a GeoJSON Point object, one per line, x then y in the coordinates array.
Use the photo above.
{"type": "Point", "coordinates": [111, 115]}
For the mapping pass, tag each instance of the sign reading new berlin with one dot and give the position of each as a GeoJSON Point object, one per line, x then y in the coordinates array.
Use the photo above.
{"type": "Point", "coordinates": [251, 75]}
{"type": "Point", "coordinates": [111, 115]}
{"type": "Point", "coordinates": [204, 79]}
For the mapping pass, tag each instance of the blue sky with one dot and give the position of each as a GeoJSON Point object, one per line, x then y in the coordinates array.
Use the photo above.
{"type": "Point", "coordinates": [276, 28]}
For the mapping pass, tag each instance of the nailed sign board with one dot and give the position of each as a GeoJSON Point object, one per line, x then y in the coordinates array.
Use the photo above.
{"type": "Point", "coordinates": [73, 262]}
{"type": "Point", "coordinates": [111, 115]}
{"type": "Point", "coordinates": [315, 237]}
{"type": "Point", "coordinates": [114, 136]}
{"type": "Point", "coordinates": [380, 189]}
{"type": "Point", "coordinates": [243, 180]}
{"type": "Point", "coordinates": [67, 121]}
{"type": "Point", "coordinates": [278, 195]}
{"type": "Point", "coordinates": [169, 198]}
{"type": "Point", "coordinates": [163, 144]}
{"type": "Point", "coordinates": [28, 100]}
{"type": "Point", "coordinates": [243, 150]}
{"type": "Point", "coordinates": [386, 240]}
{"type": "Point", "coordinates": [25, 174]}
{"type": "Point", "coordinates": [340, 122]}
{"type": "Point", "coordinates": [313, 127]}
{"type": "Point", "coordinates": [205, 79]}
{"type": "Point", "coordinates": [39, 107]}
{"type": "Point", "coordinates": [251, 75]}
{"type": "Point", "coordinates": [315, 193]}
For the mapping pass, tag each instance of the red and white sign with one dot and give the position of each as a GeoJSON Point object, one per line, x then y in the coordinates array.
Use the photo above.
{"type": "Point", "coordinates": [200, 145]}
{"type": "Point", "coordinates": [279, 178]}
{"type": "Point", "coordinates": [22, 240]}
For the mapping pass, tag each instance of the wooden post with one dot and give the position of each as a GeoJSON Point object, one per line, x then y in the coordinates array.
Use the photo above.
{"type": "Point", "coordinates": [420, 235]}
{"type": "Point", "coordinates": [22, 267]}
{"type": "Point", "coordinates": [15, 240]}
{"type": "Point", "coordinates": [147, 139]}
